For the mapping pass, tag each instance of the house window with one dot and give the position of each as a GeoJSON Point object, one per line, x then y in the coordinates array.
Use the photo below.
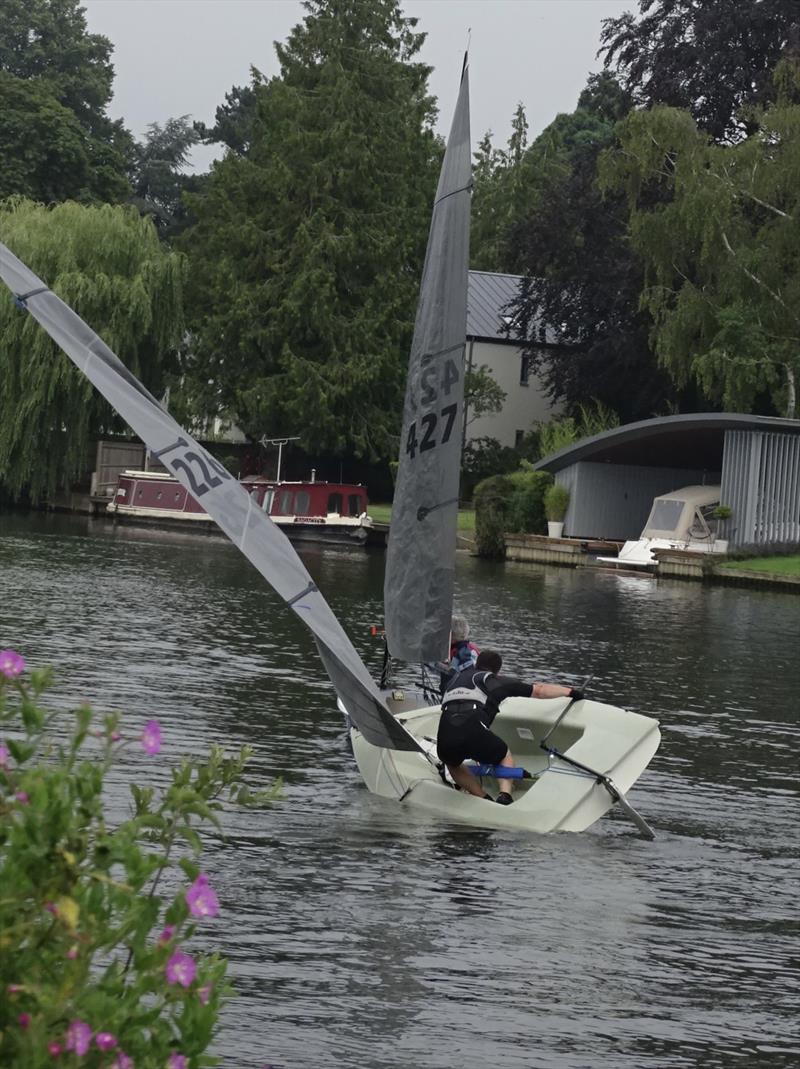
{"type": "Point", "coordinates": [335, 503]}
{"type": "Point", "coordinates": [518, 436]}
{"type": "Point", "coordinates": [302, 501]}
{"type": "Point", "coordinates": [524, 370]}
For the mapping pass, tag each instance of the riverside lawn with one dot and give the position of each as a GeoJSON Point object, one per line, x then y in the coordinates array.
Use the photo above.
{"type": "Point", "coordinates": [96, 968]}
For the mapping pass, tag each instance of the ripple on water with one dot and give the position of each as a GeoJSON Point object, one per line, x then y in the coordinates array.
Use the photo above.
{"type": "Point", "coordinates": [363, 935]}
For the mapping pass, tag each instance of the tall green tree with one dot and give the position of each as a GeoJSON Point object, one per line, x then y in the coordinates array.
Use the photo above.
{"type": "Point", "coordinates": [108, 264]}
{"type": "Point", "coordinates": [503, 187]}
{"type": "Point", "coordinates": [721, 248]}
{"type": "Point", "coordinates": [307, 251]}
{"type": "Point", "coordinates": [55, 88]}
{"type": "Point", "coordinates": [714, 58]}
{"type": "Point", "coordinates": [159, 178]}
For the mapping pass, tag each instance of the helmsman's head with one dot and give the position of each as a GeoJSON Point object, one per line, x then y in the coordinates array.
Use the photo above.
{"type": "Point", "coordinates": [489, 661]}
{"type": "Point", "coordinates": [459, 629]}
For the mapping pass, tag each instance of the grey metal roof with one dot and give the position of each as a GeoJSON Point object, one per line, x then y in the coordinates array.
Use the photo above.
{"type": "Point", "coordinates": [694, 439]}
{"type": "Point", "coordinates": [487, 296]}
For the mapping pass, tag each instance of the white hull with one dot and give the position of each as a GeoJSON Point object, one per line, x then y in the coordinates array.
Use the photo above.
{"type": "Point", "coordinates": [638, 553]}
{"type": "Point", "coordinates": [612, 741]}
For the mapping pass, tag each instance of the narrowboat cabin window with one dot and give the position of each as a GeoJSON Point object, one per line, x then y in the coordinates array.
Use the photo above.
{"type": "Point", "coordinates": [269, 497]}
{"type": "Point", "coordinates": [354, 503]}
{"type": "Point", "coordinates": [335, 504]}
{"type": "Point", "coordinates": [301, 502]}
{"type": "Point", "coordinates": [285, 502]}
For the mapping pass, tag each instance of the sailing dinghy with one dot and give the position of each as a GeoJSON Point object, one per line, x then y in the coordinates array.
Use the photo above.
{"type": "Point", "coordinates": [582, 756]}
{"type": "Point", "coordinates": [392, 736]}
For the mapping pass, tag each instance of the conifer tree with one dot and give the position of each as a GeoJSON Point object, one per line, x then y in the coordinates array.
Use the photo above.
{"type": "Point", "coordinates": [307, 249]}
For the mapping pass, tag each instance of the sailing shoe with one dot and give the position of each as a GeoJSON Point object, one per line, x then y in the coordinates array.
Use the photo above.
{"type": "Point", "coordinates": [504, 798]}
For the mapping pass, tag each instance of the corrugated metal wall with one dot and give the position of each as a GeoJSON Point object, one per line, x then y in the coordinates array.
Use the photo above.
{"type": "Point", "coordinates": [761, 484]}
{"type": "Point", "coordinates": [614, 500]}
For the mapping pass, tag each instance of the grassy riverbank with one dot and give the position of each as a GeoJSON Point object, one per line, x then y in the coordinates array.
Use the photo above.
{"type": "Point", "coordinates": [466, 517]}
{"type": "Point", "coordinates": [771, 565]}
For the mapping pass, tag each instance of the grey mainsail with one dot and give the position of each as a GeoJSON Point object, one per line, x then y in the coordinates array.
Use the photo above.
{"type": "Point", "coordinates": [223, 498]}
{"type": "Point", "coordinates": [420, 565]}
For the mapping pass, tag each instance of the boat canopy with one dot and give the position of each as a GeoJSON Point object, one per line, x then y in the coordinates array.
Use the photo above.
{"type": "Point", "coordinates": [674, 515]}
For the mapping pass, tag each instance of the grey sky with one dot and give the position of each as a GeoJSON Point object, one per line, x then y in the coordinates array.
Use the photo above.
{"type": "Point", "coordinates": [178, 57]}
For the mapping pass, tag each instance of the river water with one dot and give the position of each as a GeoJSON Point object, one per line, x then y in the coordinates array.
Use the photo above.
{"type": "Point", "coordinates": [363, 936]}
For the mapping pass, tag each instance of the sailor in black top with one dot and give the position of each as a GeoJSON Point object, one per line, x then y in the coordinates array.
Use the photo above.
{"type": "Point", "coordinates": [471, 702]}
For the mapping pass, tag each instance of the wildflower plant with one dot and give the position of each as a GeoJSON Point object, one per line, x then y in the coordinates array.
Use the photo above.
{"type": "Point", "coordinates": [97, 967]}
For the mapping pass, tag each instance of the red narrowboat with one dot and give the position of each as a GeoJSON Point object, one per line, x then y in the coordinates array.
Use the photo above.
{"type": "Point", "coordinates": [305, 511]}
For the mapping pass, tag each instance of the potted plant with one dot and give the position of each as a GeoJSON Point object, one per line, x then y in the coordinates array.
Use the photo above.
{"type": "Point", "coordinates": [722, 512]}
{"type": "Point", "coordinates": [556, 502]}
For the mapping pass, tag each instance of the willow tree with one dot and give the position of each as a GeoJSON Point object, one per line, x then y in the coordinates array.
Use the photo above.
{"type": "Point", "coordinates": [718, 228]}
{"type": "Point", "coordinates": [108, 264]}
{"type": "Point", "coordinates": [307, 252]}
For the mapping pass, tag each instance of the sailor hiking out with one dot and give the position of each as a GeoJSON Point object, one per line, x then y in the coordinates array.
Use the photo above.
{"type": "Point", "coordinates": [471, 702]}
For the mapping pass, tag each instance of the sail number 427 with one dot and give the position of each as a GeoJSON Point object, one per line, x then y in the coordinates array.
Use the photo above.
{"type": "Point", "coordinates": [427, 426]}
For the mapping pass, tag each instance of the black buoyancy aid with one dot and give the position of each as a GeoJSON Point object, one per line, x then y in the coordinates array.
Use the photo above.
{"type": "Point", "coordinates": [465, 687]}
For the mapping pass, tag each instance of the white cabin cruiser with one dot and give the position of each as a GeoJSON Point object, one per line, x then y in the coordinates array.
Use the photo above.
{"type": "Point", "coordinates": [678, 520]}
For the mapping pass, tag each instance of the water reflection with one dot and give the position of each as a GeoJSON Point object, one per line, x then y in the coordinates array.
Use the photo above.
{"type": "Point", "coordinates": [364, 935]}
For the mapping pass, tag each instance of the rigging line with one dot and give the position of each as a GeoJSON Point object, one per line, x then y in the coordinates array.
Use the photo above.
{"type": "Point", "coordinates": [21, 298]}
{"type": "Point", "coordinates": [426, 358]}
{"type": "Point", "coordinates": [312, 588]}
{"type": "Point", "coordinates": [453, 192]}
{"type": "Point", "coordinates": [423, 511]}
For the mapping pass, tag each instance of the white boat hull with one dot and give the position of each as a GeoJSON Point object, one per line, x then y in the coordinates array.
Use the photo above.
{"type": "Point", "coordinates": [612, 741]}
{"type": "Point", "coordinates": [638, 553]}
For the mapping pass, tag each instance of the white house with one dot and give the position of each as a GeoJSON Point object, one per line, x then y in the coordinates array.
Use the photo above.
{"type": "Point", "coordinates": [487, 343]}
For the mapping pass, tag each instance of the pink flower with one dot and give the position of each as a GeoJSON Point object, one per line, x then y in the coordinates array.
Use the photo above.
{"type": "Point", "coordinates": [11, 664]}
{"type": "Point", "coordinates": [51, 907]}
{"type": "Point", "coordinates": [151, 737]}
{"type": "Point", "coordinates": [105, 1041]}
{"type": "Point", "coordinates": [22, 797]}
{"type": "Point", "coordinates": [115, 736]}
{"type": "Point", "coordinates": [14, 989]}
{"type": "Point", "coordinates": [167, 934]}
{"type": "Point", "coordinates": [79, 1036]}
{"type": "Point", "coordinates": [122, 1061]}
{"type": "Point", "coordinates": [201, 898]}
{"type": "Point", "coordinates": [204, 993]}
{"type": "Point", "coordinates": [4, 755]}
{"type": "Point", "coordinates": [54, 1049]}
{"type": "Point", "coordinates": [177, 1061]}
{"type": "Point", "coordinates": [24, 1021]}
{"type": "Point", "coordinates": [180, 969]}
{"type": "Point", "coordinates": [72, 953]}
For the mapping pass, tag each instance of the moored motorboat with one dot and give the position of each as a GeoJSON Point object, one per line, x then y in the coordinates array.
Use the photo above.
{"type": "Point", "coordinates": [678, 520]}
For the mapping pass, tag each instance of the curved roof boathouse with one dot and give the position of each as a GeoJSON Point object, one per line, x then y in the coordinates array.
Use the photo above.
{"type": "Point", "coordinates": [613, 477]}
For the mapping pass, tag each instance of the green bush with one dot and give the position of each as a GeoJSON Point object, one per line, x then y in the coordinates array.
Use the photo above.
{"type": "Point", "coordinates": [526, 513]}
{"type": "Point", "coordinates": [491, 509]}
{"type": "Point", "coordinates": [483, 458]}
{"type": "Point", "coordinates": [95, 968]}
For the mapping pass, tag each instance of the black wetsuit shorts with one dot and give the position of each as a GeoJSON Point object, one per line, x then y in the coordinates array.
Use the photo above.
{"type": "Point", "coordinates": [464, 734]}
